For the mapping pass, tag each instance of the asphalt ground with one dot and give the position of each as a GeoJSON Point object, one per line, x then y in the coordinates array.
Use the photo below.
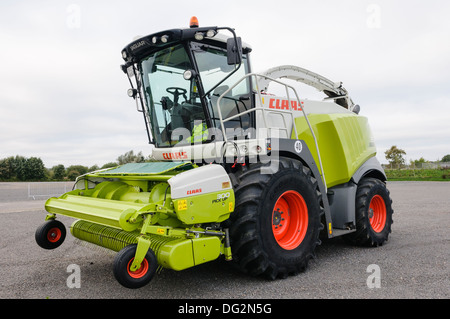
{"type": "Point", "coordinates": [413, 264]}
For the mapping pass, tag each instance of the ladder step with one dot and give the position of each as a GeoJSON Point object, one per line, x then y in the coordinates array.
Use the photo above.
{"type": "Point", "coordinates": [339, 232]}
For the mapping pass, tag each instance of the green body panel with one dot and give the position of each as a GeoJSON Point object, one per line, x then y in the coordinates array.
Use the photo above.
{"type": "Point", "coordinates": [206, 249]}
{"type": "Point", "coordinates": [97, 210]}
{"type": "Point", "coordinates": [185, 253]}
{"type": "Point", "coordinates": [176, 255]}
{"type": "Point", "coordinates": [213, 207]}
{"type": "Point", "coordinates": [345, 143]}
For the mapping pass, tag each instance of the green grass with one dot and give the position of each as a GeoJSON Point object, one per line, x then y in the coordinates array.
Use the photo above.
{"type": "Point", "coordinates": [418, 175]}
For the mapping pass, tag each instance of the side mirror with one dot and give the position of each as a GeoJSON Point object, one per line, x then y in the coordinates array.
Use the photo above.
{"type": "Point", "coordinates": [234, 53]}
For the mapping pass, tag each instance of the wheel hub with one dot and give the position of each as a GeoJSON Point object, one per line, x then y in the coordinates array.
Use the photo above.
{"type": "Point", "coordinates": [370, 213]}
{"type": "Point", "coordinates": [276, 220]}
{"type": "Point", "coordinates": [53, 235]}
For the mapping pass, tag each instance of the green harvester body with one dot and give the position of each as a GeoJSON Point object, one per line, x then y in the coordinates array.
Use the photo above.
{"type": "Point", "coordinates": [216, 131]}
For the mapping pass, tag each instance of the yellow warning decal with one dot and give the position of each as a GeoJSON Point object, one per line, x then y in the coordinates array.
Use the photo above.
{"type": "Point", "coordinates": [161, 231]}
{"type": "Point", "coordinates": [230, 207]}
{"type": "Point", "coordinates": [182, 204]}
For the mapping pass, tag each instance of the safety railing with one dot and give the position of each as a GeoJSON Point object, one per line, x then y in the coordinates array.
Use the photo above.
{"type": "Point", "coordinates": [265, 111]}
{"type": "Point", "coordinates": [46, 190]}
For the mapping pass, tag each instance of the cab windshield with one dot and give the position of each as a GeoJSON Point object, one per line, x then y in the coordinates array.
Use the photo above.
{"type": "Point", "coordinates": [214, 71]}
{"type": "Point", "coordinates": [174, 104]}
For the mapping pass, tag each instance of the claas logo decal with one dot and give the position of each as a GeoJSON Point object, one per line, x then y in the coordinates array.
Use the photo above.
{"type": "Point", "coordinates": [281, 104]}
{"type": "Point", "coordinates": [194, 191]}
{"type": "Point", "coordinates": [176, 155]}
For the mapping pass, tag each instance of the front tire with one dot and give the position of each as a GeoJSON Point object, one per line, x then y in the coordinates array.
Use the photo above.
{"type": "Point", "coordinates": [140, 277]}
{"type": "Point", "coordinates": [51, 234]}
{"type": "Point", "coordinates": [276, 224]}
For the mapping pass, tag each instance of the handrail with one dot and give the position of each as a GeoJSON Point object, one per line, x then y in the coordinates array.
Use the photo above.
{"type": "Point", "coordinates": [264, 111]}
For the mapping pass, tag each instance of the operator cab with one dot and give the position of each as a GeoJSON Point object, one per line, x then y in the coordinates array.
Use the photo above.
{"type": "Point", "coordinates": [177, 77]}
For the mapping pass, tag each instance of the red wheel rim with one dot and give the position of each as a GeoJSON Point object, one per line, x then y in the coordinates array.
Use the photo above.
{"type": "Point", "coordinates": [290, 220]}
{"type": "Point", "coordinates": [140, 272]}
{"type": "Point", "coordinates": [54, 234]}
{"type": "Point", "coordinates": [377, 213]}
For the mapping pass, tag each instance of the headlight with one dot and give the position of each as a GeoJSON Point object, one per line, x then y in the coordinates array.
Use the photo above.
{"type": "Point", "coordinates": [199, 36]}
{"type": "Point", "coordinates": [188, 74]}
{"type": "Point", "coordinates": [210, 33]}
{"type": "Point", "coordinates": [164, 38]}
{"type": "Point", "coordinates": [132, 92]}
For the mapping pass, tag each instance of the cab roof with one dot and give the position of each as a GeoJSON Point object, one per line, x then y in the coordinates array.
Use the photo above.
{"type": "Point", "coordinates": [143, 46]}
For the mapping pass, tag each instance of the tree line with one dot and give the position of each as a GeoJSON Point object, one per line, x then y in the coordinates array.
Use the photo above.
{"type": "Point", "coordinates": [19, 168]}
{"type": "Point", "coordinates": [395, 157]}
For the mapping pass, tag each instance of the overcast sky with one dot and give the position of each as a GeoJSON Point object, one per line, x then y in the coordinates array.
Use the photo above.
{"type": "Point", "coordinates": [63, 97]}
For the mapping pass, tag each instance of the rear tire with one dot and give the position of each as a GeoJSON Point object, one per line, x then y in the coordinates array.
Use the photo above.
{"type": "Point", "coordinates": [373, 214]}
{"type": "Point", "coordinates": [276, 224]}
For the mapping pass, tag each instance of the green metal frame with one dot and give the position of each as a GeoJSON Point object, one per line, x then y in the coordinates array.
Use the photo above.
{"type": "Point", "coordinates": [132, 204]}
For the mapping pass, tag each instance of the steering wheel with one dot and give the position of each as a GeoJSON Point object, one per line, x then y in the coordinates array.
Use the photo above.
{"type": "Point", "coordinates": [176, 91]}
